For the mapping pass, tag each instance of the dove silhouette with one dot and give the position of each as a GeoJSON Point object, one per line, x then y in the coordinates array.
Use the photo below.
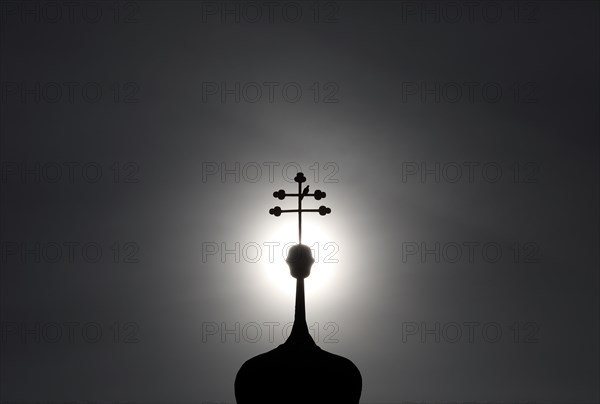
{"type": "Point", "coordinates": [305, 192]}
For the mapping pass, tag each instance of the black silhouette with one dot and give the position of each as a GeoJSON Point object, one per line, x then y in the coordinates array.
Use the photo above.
{"type": "Point", "coordinates": [298, 371]}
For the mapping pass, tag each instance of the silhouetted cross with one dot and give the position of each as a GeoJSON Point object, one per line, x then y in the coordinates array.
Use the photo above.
{"type": "Point", "coordinates": [277, 211]}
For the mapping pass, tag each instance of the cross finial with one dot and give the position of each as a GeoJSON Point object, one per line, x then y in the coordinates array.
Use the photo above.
{"type": "Point", "coordinates": [281, 194]}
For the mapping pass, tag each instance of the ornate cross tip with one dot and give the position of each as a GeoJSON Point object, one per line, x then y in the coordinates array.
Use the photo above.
{"type": "Point", "coordinates": [318, 195]}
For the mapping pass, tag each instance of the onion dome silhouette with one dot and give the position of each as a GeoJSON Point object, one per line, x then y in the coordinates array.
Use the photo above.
{"type": "Point", "coordinates": [298, 371]}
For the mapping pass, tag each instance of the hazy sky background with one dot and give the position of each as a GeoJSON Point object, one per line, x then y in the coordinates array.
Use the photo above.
{"type": "Point", "coordinates": [158, 132]}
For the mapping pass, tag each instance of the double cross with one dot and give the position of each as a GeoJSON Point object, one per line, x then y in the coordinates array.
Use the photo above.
{"type": "Point", "coordinates": [281, 194]}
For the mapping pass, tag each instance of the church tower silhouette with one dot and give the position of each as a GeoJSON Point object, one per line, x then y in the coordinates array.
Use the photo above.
{"type": "Point", "coordinates": [298, 371]}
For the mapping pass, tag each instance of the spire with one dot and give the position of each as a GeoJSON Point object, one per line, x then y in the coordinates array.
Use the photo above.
{"type": "Point", "coordinates": [300, 334]}
{"type": "Point", "coordinates": [300, 258]}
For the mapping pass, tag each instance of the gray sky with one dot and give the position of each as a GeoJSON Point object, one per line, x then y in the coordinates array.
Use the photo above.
{"type": "Point", "coordinates": [459, 153]}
